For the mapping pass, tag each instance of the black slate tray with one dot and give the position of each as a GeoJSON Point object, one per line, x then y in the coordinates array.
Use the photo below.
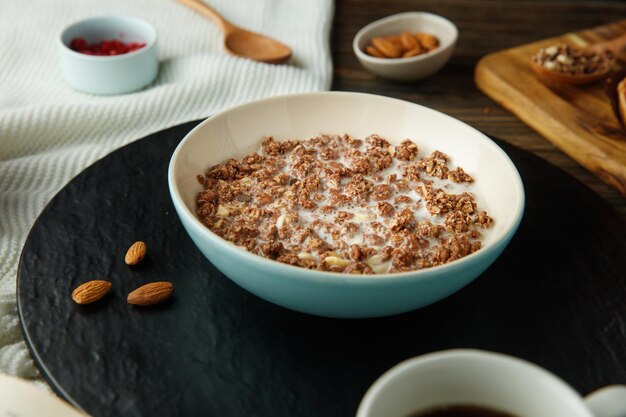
{"type": "Point", "coordinates": [555, 297]}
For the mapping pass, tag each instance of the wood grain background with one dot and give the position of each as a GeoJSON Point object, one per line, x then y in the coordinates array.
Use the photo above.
{"type": "Point", "coordinates": [485, 26]}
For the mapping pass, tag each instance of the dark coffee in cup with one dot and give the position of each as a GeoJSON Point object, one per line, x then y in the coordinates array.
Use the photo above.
{"type": "Point", "coordinates": [462, 411]}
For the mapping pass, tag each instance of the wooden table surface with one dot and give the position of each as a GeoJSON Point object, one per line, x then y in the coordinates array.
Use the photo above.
{"type": "Point", "coordinates": [485, 26]}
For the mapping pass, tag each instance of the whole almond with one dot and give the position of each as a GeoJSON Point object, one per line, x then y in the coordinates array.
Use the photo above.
{"type": "Point", "coordinates": [398, 44]}
{"type": "Point", "coordinates": [136, 253]}
{"type": "Point", "coordinates": [387, 48]}
{"type": "Point", "coordinates": [150, 294]}
{"type": "Point", "coordinates": [371, 50]}
{"type": "Point", "coordinates": [413, 52]}
{"type": "Point", "coordinates": [409, 41]}
{"type": "Point", "coordinates": [90, 291]}
{"type": "Point", "coordinates": [395, 39]}
{"type": "Point", "coordinates": [428, 41]}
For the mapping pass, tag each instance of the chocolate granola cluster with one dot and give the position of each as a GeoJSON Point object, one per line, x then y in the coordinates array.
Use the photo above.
{"type": "Point", "coordinates": [341, 204]}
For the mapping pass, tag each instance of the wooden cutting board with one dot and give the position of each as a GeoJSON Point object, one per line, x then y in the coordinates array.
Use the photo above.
{"type": "Point", "coordinates": [577, 119]}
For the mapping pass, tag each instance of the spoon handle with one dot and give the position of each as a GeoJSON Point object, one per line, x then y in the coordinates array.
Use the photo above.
{"type": "Point", "coordinates": [207, 11]}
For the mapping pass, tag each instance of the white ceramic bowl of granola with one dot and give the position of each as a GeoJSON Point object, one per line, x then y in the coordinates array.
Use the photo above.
{"type": "Point", "coordinates": [412, 68]}
{"type": "Point", "coordinates": [237, 132]}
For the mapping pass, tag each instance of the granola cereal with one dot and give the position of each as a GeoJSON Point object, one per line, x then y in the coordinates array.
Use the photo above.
{"type": "Point", "coordinates": [341, 204]}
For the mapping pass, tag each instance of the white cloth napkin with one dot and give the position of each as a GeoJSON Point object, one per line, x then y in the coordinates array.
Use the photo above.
{"type": "Point", "coordinates": [49, 133]}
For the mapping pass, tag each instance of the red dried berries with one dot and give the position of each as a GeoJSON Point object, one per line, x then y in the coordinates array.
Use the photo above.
{"type": "Point", "coordinates": [104, 48]}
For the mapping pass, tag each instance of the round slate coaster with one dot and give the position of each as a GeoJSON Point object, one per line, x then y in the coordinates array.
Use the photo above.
{"type": "Point", "coordinates": [554, 297]}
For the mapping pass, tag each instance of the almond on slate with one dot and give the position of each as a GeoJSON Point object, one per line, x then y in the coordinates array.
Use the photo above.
{"type": "Point", "coordinates": [90, 291]}
{"type": "Point", "coordinates": [136, 253]}
{"type": "Point", "coordinates": [150, 294]}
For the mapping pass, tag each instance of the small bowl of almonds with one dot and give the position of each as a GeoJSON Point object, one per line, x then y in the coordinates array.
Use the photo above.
{"type": "Point", "coordinates": [407, 46]}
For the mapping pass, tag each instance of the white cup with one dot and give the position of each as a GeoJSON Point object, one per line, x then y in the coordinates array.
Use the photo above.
{"type": "Point", "coordinates": [491, 380]}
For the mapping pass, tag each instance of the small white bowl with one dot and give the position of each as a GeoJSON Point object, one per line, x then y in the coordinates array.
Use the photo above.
{"type": "Point", "coordinates": [416, 67]}
{"type": "Point", "coordinates": [115, 74]}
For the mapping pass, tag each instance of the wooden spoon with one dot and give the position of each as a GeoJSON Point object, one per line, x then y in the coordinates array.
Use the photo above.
{"type": "Point", "coordinates": [241, 42]}
{"type": "Point", "coordinates": [553, 77]}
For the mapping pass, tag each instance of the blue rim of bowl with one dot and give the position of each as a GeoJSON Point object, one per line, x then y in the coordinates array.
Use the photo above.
{"type": "Point", "coordinates": [315, 275]}
{"type": "Point", "coordinates": [150, 44]}
{"type": "Point", "coordinates": [390, 61]}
